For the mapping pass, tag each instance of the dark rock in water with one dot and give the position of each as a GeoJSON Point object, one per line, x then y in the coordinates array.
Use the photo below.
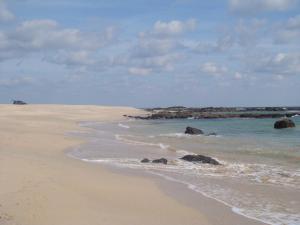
{"type": "Point", "coordinates": [284, 123]}
{"type": "Point", "coordinates": [161, 160]}
{"type": "Point", "coordinates": [200, 158]}
{"type": "Point", "coordinates": [193, 131]}
{"type": "Point", "coordinates": [145, 160]}
{"type": "Point", "coordinates": [18, 102]}
{"type": "Point", "coordinates": [212, 134]}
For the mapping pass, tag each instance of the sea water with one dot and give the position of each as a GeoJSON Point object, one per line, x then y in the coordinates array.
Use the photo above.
{"type": "Point", "coordinates": [260, 173]}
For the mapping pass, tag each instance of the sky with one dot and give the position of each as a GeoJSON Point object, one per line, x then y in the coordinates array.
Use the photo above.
{"type": "Point", "coordinates": [154, 53]}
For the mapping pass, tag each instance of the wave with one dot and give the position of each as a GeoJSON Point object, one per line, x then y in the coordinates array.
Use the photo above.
{"type": "Point", "coordinates": [123, 126]}
{"type": "Point", "coordinates": [183, 135]}
{"type": "Point", "coordinates": [261, 210]}
{"type": "Point", "coordinates": [133, 142]}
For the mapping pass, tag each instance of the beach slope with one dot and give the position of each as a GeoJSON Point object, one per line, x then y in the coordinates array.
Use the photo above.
{"type": "Point", "coordinates": [41, 185]}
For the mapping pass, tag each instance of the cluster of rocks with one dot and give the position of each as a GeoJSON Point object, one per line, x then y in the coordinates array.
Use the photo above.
{"type": "Point", "coordinates": [224, 109]}
{"type": "Point", "coordinates": [161, 160]}
{"type": "Point", "coordinates": [186, 115]}
{"type": "Point", "coordinates": [189, 158]}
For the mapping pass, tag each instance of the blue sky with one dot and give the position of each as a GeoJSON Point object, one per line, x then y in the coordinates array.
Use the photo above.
{"type": "Point", "coordinates": [151, 53]}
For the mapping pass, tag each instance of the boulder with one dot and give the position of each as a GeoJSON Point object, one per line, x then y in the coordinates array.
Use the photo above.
{"type": "Point", "coordinates": [284, 123]}
{"type": "Point", "coordinates": [145, 160]}
{"type": "Point", "coordinates": [161, 160]}
{"type": "Point", "coordinates": [193, 131]}
{"type": "Point", "coordinates": [201, 159]}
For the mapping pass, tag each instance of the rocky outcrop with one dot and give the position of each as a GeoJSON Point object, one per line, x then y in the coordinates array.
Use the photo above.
{"type": "Point", "coordinates": [284, 123]}
{"type": "Point", "coordinates": [145, 160]}
{"type": "Point", "coordinates": [201, 159]}
{"type": "Point", "coordinates": [193, 131]}
{"type": "Point", "coordinates": [179, 112]}
{"type": "Point", "coordinates": [161, 160]}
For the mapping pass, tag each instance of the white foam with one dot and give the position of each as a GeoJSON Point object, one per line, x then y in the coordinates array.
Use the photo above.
{"type": "Point", "coordinates": [123, 126]}
{"type": "Point", "coordinates": [132, 142]}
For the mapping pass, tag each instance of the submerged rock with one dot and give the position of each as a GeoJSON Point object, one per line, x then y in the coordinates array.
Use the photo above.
{"type": "Point", "coordinates": [161, 160]}
{"type": "Point", "coordinates": [284, 123]}
{"type": "Point", "coordinates": [200, 158]}
{"type": "Point", "coordinates": [193, 131]}
{"type": "Point", "coordinates": [212, 134]}
{"type": "Point", "coordinates": [145, 160]}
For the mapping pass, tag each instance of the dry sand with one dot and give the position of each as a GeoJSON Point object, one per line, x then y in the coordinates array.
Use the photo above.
{"type": "Point", "coordinates": [40, 185]}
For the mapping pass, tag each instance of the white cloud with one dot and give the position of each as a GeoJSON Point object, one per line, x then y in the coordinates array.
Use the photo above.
{"type": "Point", "coordinates": [288, 32]}
{"type": "Point", "coordinates": [5, 14]}
{"type": "Point", "coordinates": [139, 71]}
{"type": "Point", "coordinates": [174, 27]}
{"type": "Point", "coordinates": [73, 58]}
{"type": "Point", "coordinates": [149, 47]}
{"type": "Point", "coordinates": [160, 48]}
{"type": "Point", "coordinates": [213, 69]}
{"type": "Point", "coordinates": [48, 37]}
{"type": "Point", "coordinates": [283, 64]}
{"type": "Point", "coordinates": [246, 6]}
{"type": "Point", "coordinates": [21, 80]}
{"type": "Point", "coordinates": [238, 76]}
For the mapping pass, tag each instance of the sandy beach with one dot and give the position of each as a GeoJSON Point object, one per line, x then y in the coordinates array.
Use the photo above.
{"type": "Point", "coordinates": [41, 185]}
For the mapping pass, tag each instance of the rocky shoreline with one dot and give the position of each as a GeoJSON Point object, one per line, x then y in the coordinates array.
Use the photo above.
{"type": "Point", "coordinates": [180, 112]}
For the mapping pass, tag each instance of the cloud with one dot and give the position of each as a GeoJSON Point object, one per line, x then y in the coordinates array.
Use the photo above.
{"type": "Point", "coordinates": [159, 48]}
{"type": "Point", "coordinates": [15, 81]}
{"type": "Point", "coordinates": [212, 69]}
{"type": "Point", "coordinates": [174, 27]}
{"type": "Point", "coordinates": [5, 14]}
{"type": "Point", "coordinates": [149, 46]}
{"type": "Point", "coordinates": [281, 63]}
{"type": "Point", "coordinates": [48, 37]}
{"type": "Point", "coordinates": [238, 76]}
{"type": "Point", "coordinates": [251, 6]}
{"type": "Point", "coordinates": [245, 33]}
{"type": "Point", "coordinates": [139, 71]}
{"type": "Point", "coordinates": [289, 31]}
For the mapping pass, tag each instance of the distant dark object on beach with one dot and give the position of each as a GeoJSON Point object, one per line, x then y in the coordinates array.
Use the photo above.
{"type": "Point", "coordinates": [284, 123]}
{"type": "Point", "coordinates": [145, 160]}
{"type": "Point", "coordinates": [200, 158]}
{"type": "Point", "coordinates": [193, 131]}
{"type": "Point", "coordinates": [19, 102]}
{"type": "Point", "coordinates": [161, 160]}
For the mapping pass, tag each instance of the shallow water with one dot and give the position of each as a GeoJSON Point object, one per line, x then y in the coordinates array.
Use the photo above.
{"type": "Point", "coordinates": [260, 172]}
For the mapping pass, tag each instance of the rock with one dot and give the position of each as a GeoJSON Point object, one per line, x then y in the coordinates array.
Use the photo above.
{"type": "Point", "coordinates": [18, 102]}
{"type": "Point", "coordinates": [145, 160]}
{"type": "Point", "coordinates": [212, 134]}
{"type": "Point", "coordinates": [193, 131]}
{"type": "Point", "coordinates": [284, 123]}
{"type": "Point", "coordinates": [200, 158]}
{"type": "Point", "coordinates": [161, 160]}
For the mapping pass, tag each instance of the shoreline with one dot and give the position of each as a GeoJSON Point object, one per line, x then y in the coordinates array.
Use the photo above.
{"type": "Point", "coordinates": [184, 195]}
{"type": "Point", "coordinates": [40, 185]}
{"type": "Point", "coordinates": [34, 182]}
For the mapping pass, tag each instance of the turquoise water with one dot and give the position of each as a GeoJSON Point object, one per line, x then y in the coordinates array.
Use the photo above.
{"type": "Point", "coordinates": [250, 137]}
{"type": "Point", "coordinates": [260, 172]}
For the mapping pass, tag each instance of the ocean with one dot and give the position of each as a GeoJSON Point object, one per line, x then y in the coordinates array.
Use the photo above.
{"type": "Point", "coordinates": [260, 173]}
